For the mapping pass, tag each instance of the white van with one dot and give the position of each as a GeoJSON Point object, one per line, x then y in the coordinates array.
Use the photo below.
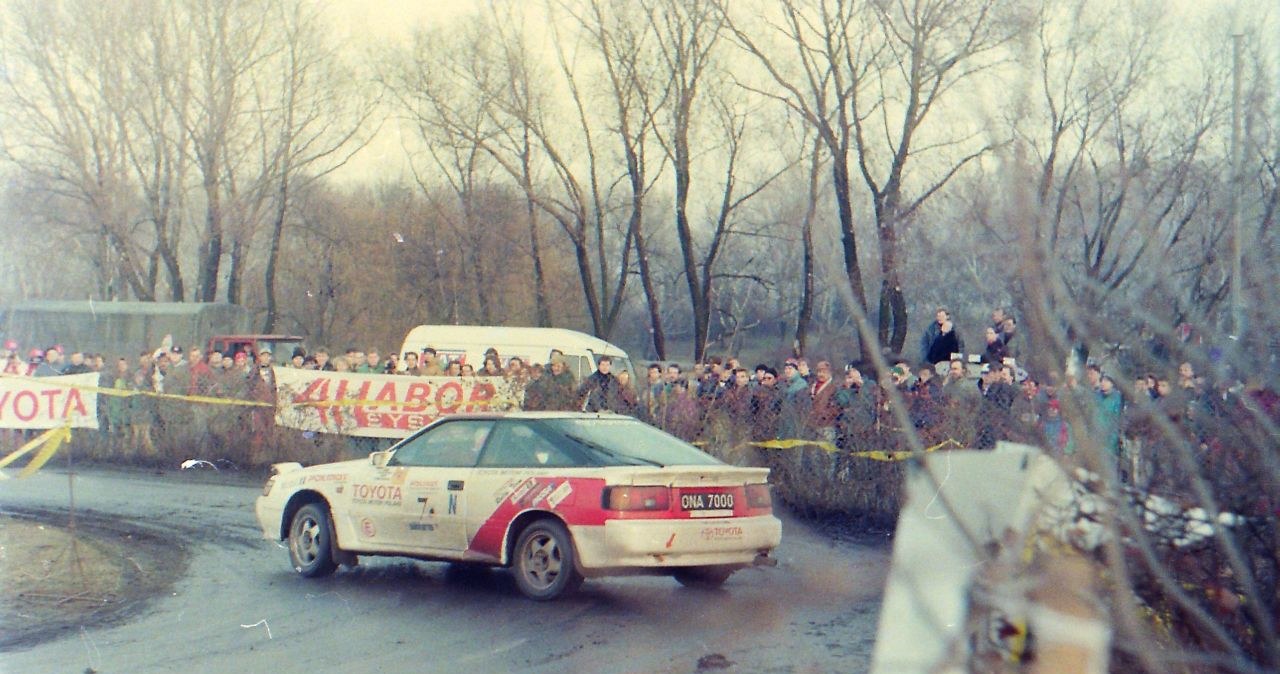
{"type": "Point", "coordinates": [467, 343]}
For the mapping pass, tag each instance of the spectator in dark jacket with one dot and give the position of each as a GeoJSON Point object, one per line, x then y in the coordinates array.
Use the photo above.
{"type": "Point", "coordinates": [940, 339]}
{"type": "Point", "coordinates": [599, 392]}
{"type": "Point", "coordinates": [559, 391]}
{"type": "Point", "coordinates": [994, 417]}
{"type": "Point", "coordinates": [995, 352]}
{"type": "Point", "coordinates": [766, 407]}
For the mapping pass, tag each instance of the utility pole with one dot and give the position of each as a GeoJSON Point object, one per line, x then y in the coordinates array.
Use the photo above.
{"type": "Point", "coordinates": [1237, 247]}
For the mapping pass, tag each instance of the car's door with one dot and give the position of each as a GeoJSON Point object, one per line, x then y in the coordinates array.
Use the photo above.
{"type": "Point", "coordinates": [435, 474]}
{"type": "Point", "coordinates": [520, 468]}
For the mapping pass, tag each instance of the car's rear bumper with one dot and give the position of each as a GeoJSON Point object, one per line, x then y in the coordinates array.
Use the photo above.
{"type": "Point", "coordinates": [674, 543]}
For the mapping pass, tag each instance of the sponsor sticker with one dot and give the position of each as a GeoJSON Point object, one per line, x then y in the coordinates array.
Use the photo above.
{"type": "Point", "coordinates": [421, 526]}
{"type": "Point", "coordinates": [506, 488]}
{"type": "Point", "coordinates": [523, 489]}
{"type": "Point", "coordinates": [367, 528]}
{"type": "Point", "coordinates": [376, 494]}
{"type": "Point", "coordinates": [546, 491]}
{"type": "Point", "coordinates": [326, 477]}
{"type": "Point", "coordinates": [561, 493]}
{"type": "Point", "coordinates": [721, 533]}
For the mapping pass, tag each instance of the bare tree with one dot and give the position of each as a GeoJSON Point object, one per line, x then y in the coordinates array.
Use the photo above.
{"type": "Point", "coordinates": [687, 34]}
{"type": "Point", "coordinates": [832, 58]}
{"type": "Point", "coordinates": [622, 44]}
{"type": "Point", "coordinates": [804, 316]}
{"type": "Point", "coordinates": [67, 92]}
{"type": "Point", "coordinates": [158, 151]}
{"type": "Point", "coordinates": [1121, 184]}
{"type": "Point", "coordinates": [930, 47]}
{"type": "Point", "coordinates": [226, 40]}
{"type": "Point", "coordinates": [577, 195]}
{"type": "Point", "coordinates": [312, 115]}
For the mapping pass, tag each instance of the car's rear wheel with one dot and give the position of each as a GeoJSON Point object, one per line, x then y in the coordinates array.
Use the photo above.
{"type": "Point", "coordinates": [309, 545]}
{"type": "Point", "coordinates": [704, 577]}
{"type": "Point", "coordinates": [544, 562]}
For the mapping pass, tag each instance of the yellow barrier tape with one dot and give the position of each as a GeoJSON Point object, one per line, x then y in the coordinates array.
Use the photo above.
{"type": "Point", "coordinates": [32, 444]}
{"type": "Point", "coordinates": [129, 393]}
{"type": "Point", "coordinates": [47, 442]}
{"type": "Point", "coordinates": [50, 448]}
{"type": "Point", "coordinates": [876, 455]}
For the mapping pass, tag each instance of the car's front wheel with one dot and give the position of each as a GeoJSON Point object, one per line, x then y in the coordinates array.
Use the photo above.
{"type": "Point", "coordinates": [705, 577]}
{"type": "Point", "coordinates": [309, 546]}
{"type": "Point", "coordinates": [544, 561]}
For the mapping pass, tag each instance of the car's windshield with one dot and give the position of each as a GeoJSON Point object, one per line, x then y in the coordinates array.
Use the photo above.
{"type": "Point", "coordinates": [625, 441]}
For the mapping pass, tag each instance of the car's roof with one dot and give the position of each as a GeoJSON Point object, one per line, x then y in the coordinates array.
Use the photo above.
{"type": "Point", "coordinates": [477, 337]}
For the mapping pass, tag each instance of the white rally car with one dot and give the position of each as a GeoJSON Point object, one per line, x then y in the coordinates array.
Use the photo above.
{"type": "Point", "coordinates": [556, 496]}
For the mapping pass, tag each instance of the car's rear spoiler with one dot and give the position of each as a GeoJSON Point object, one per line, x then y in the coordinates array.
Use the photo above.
{"type": "Point", "coordinates": [693, 476]}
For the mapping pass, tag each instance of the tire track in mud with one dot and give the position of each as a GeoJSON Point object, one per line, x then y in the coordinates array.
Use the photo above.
{"type": "Point", "coordinates": [149, 557]}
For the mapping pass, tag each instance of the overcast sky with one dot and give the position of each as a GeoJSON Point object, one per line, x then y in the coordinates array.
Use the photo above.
{"type": "Point", "coordinates": [371, 24]}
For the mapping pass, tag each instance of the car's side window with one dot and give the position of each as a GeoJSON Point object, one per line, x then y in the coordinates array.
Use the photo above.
{"type": "Point", "coordinates": [455, 444]}
{"type": "Point", "coordinates": [516, 445]}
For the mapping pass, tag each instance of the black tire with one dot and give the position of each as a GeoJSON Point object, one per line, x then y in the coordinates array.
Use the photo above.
{"type": "Point", "coordinates": [310, 548]}
{"type": "Point", "coordinates": [544, 562]}
{"type": "Point", "coordinates": [702, 577]}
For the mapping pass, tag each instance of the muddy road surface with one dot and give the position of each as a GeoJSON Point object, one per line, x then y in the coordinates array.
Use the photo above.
{"type": "Point", "coordinates": [214, 596]}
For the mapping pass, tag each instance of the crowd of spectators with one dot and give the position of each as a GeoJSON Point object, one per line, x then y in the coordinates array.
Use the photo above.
{"type": "Point", "coordinates": [973, 399]}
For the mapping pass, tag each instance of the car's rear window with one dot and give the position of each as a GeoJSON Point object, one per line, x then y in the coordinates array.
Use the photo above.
{"type": "Point", "coordinates": [629, 442]}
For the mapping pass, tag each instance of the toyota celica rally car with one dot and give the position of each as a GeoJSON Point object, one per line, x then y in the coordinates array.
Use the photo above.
{"type": "Point", "coordinates": [555, 496]}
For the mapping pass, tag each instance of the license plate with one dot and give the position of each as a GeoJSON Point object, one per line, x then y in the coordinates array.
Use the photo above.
{"type": "Point", "coordinates": [706, 501]}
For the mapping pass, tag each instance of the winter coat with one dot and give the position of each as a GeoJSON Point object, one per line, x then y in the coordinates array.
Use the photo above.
{"type": "Point", "coordinates": [795, 407]}
{"type": "Point", "coordinates": [560, 392]}
{"type": "Point", "coordinates": [936, 347]}
{"type": "Point", "coordinates": [995, 352]}
{"type": "Point", "coordinates": [1107, 415]}
{"type": "Point", "coordinates": [824, 410]}
{"type": "Point", "coordinates": [766, 407]}
{"type": "Point", "coordinates": [598, 393]}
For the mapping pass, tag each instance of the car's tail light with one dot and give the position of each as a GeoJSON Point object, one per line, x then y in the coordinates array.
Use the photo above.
{"type": "Point", "coordinates": [758, 496]}
{"type": "Point", "coordinates": [637, 498]}
{"type": "Point", "coordinates": [266, 488]}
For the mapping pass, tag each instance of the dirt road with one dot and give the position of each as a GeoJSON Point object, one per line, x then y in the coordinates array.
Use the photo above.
{"type": "Point", "coordinates": [225, 600]}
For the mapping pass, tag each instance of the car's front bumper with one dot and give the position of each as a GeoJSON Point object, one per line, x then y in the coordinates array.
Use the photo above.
{"type": "Point", "coordinates": [670, 543]}
{"type": "Point", "coordinates": [269, 511]}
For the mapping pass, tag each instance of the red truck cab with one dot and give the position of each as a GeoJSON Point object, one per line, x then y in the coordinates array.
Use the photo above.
{"type": "Point", "coordinates": [280, 346]}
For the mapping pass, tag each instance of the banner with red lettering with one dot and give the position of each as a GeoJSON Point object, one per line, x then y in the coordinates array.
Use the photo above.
{"type": "Point", "coordinates": [49, 402]}
{"type": "Point", "coordinates": [381, 405]}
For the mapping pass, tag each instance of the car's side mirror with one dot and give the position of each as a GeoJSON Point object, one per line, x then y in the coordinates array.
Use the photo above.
{"type": "Point", "coordinates": [379, 459]}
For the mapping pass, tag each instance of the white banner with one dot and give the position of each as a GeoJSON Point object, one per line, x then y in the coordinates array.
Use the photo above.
{"type": "Point", "coordinates": [49, 402]}
{"type": "Point", "coordinates": [381, 405]}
